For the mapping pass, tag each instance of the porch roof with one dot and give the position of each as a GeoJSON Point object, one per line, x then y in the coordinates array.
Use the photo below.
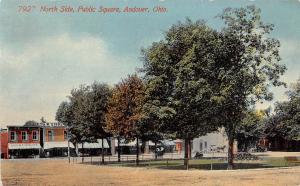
{"type": "Point", "coordinates": [57, 144]}
{"type": "Point", "coordinates": [96, 145]}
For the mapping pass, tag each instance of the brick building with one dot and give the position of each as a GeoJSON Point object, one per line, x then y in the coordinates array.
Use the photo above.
{"type": "Point", "coordinates": [4, 143]}
{"type": "Point", "coordinates": [24, 141]}
{"type": "Point", "coordinates": [55, 142]}
{"type": "Point", "coordinates": [37, 140]}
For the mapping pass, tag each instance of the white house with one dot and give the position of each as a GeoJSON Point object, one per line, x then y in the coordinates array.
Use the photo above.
{"type": "Point", "coordinates": [212, 142]}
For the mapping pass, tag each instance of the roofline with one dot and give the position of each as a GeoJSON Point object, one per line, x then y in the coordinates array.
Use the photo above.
{"type": "Point", "coordinates": [20, 126]}
{"type": "Point", "coordinates": [36, 126]}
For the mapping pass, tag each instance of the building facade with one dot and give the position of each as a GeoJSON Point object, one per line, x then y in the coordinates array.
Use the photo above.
{"type": "Point", "coordinates": [24, 141]}
{"type": "Point", "coordinates": [55, 139]}
{"type": "Point", "coordinates": [37, 140]}
{"type": "Point", "coordinates": [4, 143]}
{"type": "Point", "coordinates": [215, 142]}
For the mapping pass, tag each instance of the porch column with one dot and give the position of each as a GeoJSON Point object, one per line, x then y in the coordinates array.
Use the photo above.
{"type": "Point", "coordinates": [112, 146]}
{"type": "Point", "coordinates": [147, 151]}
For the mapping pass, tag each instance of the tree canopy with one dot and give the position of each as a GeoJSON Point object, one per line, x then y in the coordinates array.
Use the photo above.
{"type": "Point", "coordinates": [250, 66]}
{"type": "Point", "coordinates": [251, 130]}
{"type": "Point", "coordinates": [125, 108]}
{"type": "Point", "coordinates": [179, 71]}
{"type": "Point", "coordinates": [285, 122]}
{"type": "Point", "coordinates": [84, 112]}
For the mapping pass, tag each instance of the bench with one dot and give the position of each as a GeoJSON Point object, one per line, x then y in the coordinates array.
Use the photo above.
{"type": "Point", "coordinates": [292, 160]}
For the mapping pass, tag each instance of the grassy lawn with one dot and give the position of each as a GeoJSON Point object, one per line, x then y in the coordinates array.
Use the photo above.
{"type": "Point", "coordinates": [171, 164]}
{"type": "Point", "coordinates": [277, 162]}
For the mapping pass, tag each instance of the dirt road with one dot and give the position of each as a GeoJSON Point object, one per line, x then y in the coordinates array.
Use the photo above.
{"type": "Point", "coordinates": [59, 172]}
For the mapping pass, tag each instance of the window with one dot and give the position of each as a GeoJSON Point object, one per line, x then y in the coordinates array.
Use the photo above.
{"type": "Point", "coordinates": [205, 144]}
{"type": "Point", "coordinates": [65, 135]}
{"type": "Point", "coordinates": [13, 136]}
{"type": "Point", "coordinates": [50, 135]}
{"type": "Point", "coordinates": [35, 135]}
{"type": "Point", "coordinates": [24, 135]}
{"type": "Point", "coordinates": [201, 146]}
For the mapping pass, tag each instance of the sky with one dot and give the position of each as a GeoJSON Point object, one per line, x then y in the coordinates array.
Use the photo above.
{"type": "Point", "coordinates": [43, 56]}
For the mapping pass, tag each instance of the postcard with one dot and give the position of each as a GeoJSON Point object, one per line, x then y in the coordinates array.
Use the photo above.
{"type": "Point", "coordinates": [150, 92]}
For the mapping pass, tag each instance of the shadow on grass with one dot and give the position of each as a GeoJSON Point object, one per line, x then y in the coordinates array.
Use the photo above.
{"type": "Point", "coordinates": [219, 166]}
{"type": "Point", "coordinates": [195, 164]}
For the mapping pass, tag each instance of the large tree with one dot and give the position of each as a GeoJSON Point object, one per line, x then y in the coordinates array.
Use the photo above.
{"type": "Point", "coordinates": [125, 111]}
{"type": "Point", "coordinates": [180, 73]}
{"type": "Point", "coordinates": [74, 113]}
{"type": "Point", "coordinates": [84, 113]}
{"type": "Point", "coordinates": [98, 97]}
{"type": "Point", "coordinates": [250, 66]}
{"type": "Point", "coordinates": [198, 78]}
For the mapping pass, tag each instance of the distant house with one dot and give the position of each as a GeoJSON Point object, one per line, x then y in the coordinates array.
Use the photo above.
{"type": "Point", "coordinates": [129, 147]}
{"type": "Point", "coordinates": [126, 147]}
{"type": "Point", "coordinates": [278, 143]}
{"type": "Point", "coordinates": [179, 144]}
{"type": "Point", "coordinates": [212, 142]}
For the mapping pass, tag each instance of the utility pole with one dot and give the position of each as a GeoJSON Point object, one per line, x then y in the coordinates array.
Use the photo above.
{"type": "Point", "coordinates": [137, 151]}
{"type": "Point", "coordinates": [212, 150]}
{"type": "Point", "coordinates": [68, 143]}
{"type": "Point", "coordinates": [0, 144]}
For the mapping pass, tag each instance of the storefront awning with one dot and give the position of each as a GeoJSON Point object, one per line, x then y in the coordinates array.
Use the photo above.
{"type": "Point", "coordinates": [57, 144]}
{"type": "Point", "coordinates": [133, 143]}
{"type": "Point", "coordinates": [168, 142]}
{"type": "Point", "coordinates": [151, 143]}
{"type": "Point", "coordinates": [12, 146]}
{"type": "Point", "coordinates": [96, 145]}
{"type": "Point", "coordinates": [129, 144]}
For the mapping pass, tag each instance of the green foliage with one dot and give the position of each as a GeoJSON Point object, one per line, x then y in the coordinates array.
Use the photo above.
{"type": "Point", "coordinates": [251, 66]}
{"type": "Point", "coordinates": [97, 108]}
{"type": "Point", "coordinates": [85, 112]}
{"type": "Point", "coordinates": [31, 123]}
{"type": "Point", "coordinates": [285, 122]}
{"type": "Point", "coordinates": [251, 59]}
{"type": "Point", "coordinates": [251, 130]}
{"type": "Point", "coordinates": [180, 71]}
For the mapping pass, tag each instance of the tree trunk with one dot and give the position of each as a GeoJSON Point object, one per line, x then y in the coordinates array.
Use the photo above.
{"type": "Point", "coordinates": [146, 150]}
{"type": "Point", "coordinates": [119, 150]}
{"type": "Point", "coordinates": [76, 149]}
{"type": "Point", "coordinates": [230, 165]}
{"type": "Point", "coordinates": [112, 146]}
{"type": "Point", "coordinates": [186, 153]}
{"type": "Point", "coordinates": [82, 159]}
{"type": "Point", "coordinates": [102, 149]}
{"type": "Point", "coordinates": [155, 152]}
{"type": "Point", "coordinates": [137, 151]}
{"type": "Point", "coordinates": [247, 144]}
{"type": "Point", "coordinates": [190, 149]}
